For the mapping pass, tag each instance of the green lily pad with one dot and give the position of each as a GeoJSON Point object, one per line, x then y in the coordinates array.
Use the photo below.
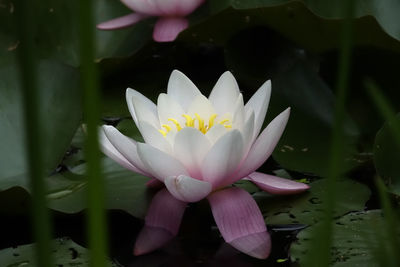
{"type": "Point", "coordinates": [60, 113]}
{"type": "Point", "coordinates": [305, 144]}
{"type": "Point", "coordinates": [315, 25]}
{"type": "Point", "coordinates": [65, 253]}
{"type": "Point", "coordinates": [387, 157]}
{"type": "Point", "coordinates": [357, 241]}
{"type": "Point", "coordinates": [124, 190]}
{"type": "Point", "coordinates": [308, 207]}
{"type": "Point", "coordinates": [56, 33]}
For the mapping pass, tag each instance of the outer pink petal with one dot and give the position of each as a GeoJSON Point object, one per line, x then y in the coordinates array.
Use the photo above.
{"type": "Point", "coordinates": [121, 22]}
{"type": "Point", "coordinates": [167, 29]}
{"type": "Point", "coordinates": [154, 183]}
{"type": "Point", "coordinates": [187, 189]}
{"type": "Point", "coordinates": [161, 224]}
{"type": "Point", "coordinates": [147, 7]}
{"type": "Point", "coordinates": [276, 185]}
{"type": "Point", "coordinates": [240, 221]}
{"type": "Point", "coordinates": [264, 145]}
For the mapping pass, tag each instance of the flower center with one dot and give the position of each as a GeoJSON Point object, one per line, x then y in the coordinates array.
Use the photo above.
{"type": "Point", "coordinates": [195, 122]}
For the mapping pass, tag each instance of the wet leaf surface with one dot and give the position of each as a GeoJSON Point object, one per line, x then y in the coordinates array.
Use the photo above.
{"type": "Point", "coordinates": [387, 157]}
{"type": "Point", "coordinates": [308, 207]}
{"type": "Point", "coordinates": [65, 253]}
{"type": "Point", "coordinates": [357, 239]}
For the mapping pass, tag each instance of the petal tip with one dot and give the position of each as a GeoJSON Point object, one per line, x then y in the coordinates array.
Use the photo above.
{"type": "Point", "coordinates": [150, 239]}
{"type": "Point", "coordinates": [257, 245]}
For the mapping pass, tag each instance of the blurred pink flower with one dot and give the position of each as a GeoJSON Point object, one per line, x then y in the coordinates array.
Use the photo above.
{"type": "Point", "coordinates": [197, 147]}
{"type": "Point", "coordinates": [171, 15]}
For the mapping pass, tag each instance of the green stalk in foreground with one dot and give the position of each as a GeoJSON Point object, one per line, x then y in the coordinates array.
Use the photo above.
{"type": "Point", "coordinates": [319, 252]}
{"type": "Point", "coordinates": [96, 214]}
{"type": "Point", "coordinates": [33, 129]}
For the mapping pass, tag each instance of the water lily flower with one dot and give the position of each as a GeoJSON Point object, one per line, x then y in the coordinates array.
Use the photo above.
{"type": "Point", "coordinates": [171, 15]}
{"type": "Point", "coordinates": [198, 147]}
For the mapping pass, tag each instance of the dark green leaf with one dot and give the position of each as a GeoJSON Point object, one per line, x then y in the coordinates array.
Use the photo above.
{"type": "Point", "coordinates": [65, 253]}
{"type": "Point", "coordinates": [308, 207]}
{"type": "Point", "coordinates": [60, 110]}
{"type": "Point", "coordinates": [357, 241]}
{"type": "Point", "coordinates": [125, 190]}
{"type": "Point", "coordinates": [387, 157]}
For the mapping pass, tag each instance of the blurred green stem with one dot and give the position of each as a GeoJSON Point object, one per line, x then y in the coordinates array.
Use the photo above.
{"type": "Point", "coordinates": [33, 130]}
{"type": "Point", "coordinates": [320, 250]}
{"type": "Point", "coordinates": [96, 214]}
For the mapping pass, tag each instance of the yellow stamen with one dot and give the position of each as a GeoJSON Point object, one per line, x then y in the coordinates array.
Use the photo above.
{"type": "Point", "coordinates": [211, 121]}
{"type": "Point", "coordinates": [201, 124]}
{"type": "Point", "coordinates": [178, 126]}
{"type": "Point", "coordinates": [223, 121]}
{"type": "Point", "coordinates": [189, 120]}
{"type": "Point", "coordinates": [167, 127]}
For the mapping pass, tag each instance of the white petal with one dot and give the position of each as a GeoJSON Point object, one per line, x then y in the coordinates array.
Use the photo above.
{"type": "Point", "coordinates": [160, 164]}
{"type": "Point", "coordinates": [247, 133]}
{"type": "Point", "coordinates": [182, 89]}
{"type": "Point", "coordinates": [264, 145]}
{"type": "Point", "coordinates": [259, 103]}
{"type": "Point", "coordinates": [113, 153]}
{"type": "Point", "coordinates": [202, 106]}
{"type": "Point", "coordinates": [187, 189]}
{"type": "Point", "coordinates": [130, 93]}
{"type": "Point", "coordinates": [238, 113]}
{"type": "Point", "coordinates": [168, 108]}
{"type": "Point", "coordinates": [145, 112]}
{"type": "Point", "coordinates": [153, 137]}
{"type": "Point", "coordinates": [126, 146]}
{"type": "Point", "coordinates": [224, 94]}
{"type": "Point", "coordinates": [190, 147]}
{"type": "Point", "coordinates": [223, 158]}
{"type": "Point", "coordinates": [216, 132]}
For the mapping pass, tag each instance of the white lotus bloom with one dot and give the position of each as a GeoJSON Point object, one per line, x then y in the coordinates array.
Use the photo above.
{"type": "Point", "coordinates": [196, 145]}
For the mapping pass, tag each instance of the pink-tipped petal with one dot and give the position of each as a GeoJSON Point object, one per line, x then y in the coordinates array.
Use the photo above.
{"type": "Point", "coordinates": [264, 145]}
{"type": "Point", "coordinates": [167, 29]}
{"type": "Point", "coordinates": [240, 221]}
{"type": "Point", "coordinates": [147, 7]}
{"type": "Point", "coordinates": [161, 224]}
{"type": "Point", "coordinates": [154, 183]}
{"type": "Point", "coordinates": [187, 189]}
{"type": "Point", "coordinates": [160, 164]}
{"type": "Point", "coordinates": [276, 185]}
{"type": "Point", "coordinates": [121, 22]}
